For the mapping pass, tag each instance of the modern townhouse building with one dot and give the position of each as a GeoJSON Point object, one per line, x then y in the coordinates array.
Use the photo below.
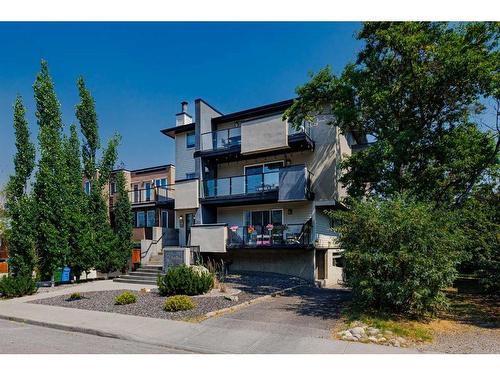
{"type": "Point", "coordinates": [254, 191]}
{"type": "Point", "coordinates": [151, 196]}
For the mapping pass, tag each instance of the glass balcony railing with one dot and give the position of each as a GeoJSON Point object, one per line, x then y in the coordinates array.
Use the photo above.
{"type": "Point", "coordinates": [238, 185]}
{"type": "Point", "coordinates": [221, 139]}
{"type": "Point", "coordinates": [227, 138]}
{"type": "Point", "coordinates": [269, 235]}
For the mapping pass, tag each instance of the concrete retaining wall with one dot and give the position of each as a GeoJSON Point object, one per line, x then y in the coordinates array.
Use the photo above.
{"type": "Point", "coordinates": [293, 262]}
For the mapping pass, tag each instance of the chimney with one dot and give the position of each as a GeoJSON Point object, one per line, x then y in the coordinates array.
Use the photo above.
{"type": "Point", "coordinates": [183, 118]}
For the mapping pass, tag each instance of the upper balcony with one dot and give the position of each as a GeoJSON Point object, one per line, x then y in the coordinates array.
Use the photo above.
{"type": "Point", "coordinates": [290, 183]}
{"type": "Point", "coordinates": [247, 141]}
{"type": "Point", "coordinates": [153, 195]}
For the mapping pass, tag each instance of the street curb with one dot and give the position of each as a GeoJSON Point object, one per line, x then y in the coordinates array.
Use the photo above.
{"type": "Point", "coordinates": [100, 333]}
{"type": "Point", "coordinates": [225, 310]}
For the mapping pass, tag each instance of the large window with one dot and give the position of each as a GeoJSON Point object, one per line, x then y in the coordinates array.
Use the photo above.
{"type": "Point", "coordinates": [190, 140]}
{"type": "Point", "coordinates": [262, 177]}
{"type": "Point", "coordinates": [150, 218]}
{"type": "Point", "coordinates": [262, 218]}
{"type": "Point", "coordinates": [161, 182]}
{"type": "Point", "coordinates": [148, 191]}
{"type": "Point", "coordinates": [140, 223]}
{"type": "Point", "coordinates": [87, 187]}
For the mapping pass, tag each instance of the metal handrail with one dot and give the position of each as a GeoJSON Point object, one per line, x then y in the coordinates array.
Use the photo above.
{"type": "Point", "coordinates": [153, 242]}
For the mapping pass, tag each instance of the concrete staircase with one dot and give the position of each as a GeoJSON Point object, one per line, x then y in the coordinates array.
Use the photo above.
{"type": "Point", "coordinates": [145, 274]}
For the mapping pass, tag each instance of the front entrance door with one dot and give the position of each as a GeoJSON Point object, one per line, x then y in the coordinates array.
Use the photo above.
{"type": "Point", "coordinates": [189, 224]}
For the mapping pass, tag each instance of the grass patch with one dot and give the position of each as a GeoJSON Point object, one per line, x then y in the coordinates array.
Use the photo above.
{"type": "Point", "coordinates": [415, 331]}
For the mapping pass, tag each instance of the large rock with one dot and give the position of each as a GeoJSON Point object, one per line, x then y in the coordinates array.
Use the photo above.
{"type": "Point", "coordinates": [357, 331]}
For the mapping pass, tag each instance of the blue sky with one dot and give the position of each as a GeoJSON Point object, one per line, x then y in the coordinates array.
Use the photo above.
{"type": "Point", "coordinates": [140, 72]}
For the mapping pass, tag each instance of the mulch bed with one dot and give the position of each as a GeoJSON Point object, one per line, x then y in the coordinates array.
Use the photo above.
{"type": "Point", "coordinates": [151, 304]}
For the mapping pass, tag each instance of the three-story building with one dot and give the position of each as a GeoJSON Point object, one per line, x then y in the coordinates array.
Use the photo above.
{"type": "Point", "coordinates": [253, 190]}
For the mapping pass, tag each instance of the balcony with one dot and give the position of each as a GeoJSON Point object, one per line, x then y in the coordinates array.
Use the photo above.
{"type": "Point", "coordinates": [290, 183]}
{"type": "Point", "coordinates": [226, 144]}
{"type": "Point", "coordinates": [258, 236]}
{"type": "Point", "coordinates": [156, 194]}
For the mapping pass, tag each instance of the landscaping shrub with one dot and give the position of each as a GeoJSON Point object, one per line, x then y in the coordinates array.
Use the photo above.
{"type": "Point", "coordinates": [17, 286]}
{"type": "Point", "coordinates": [400, 254]}
{"type": "Point", "coordinates": [185, 280]}
{"type": "Point", "coordinates": [126, 298]}
{"type": "Point", "coordinates": [178, 303]}
{"type": "Point", "coordinates": [75, 296]}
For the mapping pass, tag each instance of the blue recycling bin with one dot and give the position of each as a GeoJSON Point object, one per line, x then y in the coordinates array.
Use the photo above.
{"type": "Point", "coordinates": [66, 272]}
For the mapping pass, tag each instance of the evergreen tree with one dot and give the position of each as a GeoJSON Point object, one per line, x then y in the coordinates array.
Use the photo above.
{"type": "Point", "coordinates": [21, 237]}
{"type": "Point", "coordinates": [122, 222]}
{"type": "Point", "coordinates": [51, 233]}
{"type": "Point", "coordinates": [101, 236]}
{"type": "Point", "coordinates": [81, 257]}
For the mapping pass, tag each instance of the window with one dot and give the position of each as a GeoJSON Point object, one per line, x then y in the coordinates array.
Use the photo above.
{"type": "Point", "coordinates": [190, 140]}
{"type": "Point", "coordinates": [147, 186]}
{"type": "Point", "coordinates": [87, 187]}
{"type": "Point", "coordinates": [262, 218]}
{"type": "Point", "coordinates": [190, 175]}
{"type": "Point", "coordinates": [112, 188]}
{"type": "Point", "coordinates": [150, 218]}
{"type": "Point", "coordinates": [140, 219]}
{"type": "Point", "coordinates": [161, 182]}
{"type": "Point", "coordinates": [262, 177]}
{"type": "Point", "coordinates": [136, 194]}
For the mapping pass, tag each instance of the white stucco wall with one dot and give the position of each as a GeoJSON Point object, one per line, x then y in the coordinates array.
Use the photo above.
{"type": "Point", "coordinates": [184, 160]}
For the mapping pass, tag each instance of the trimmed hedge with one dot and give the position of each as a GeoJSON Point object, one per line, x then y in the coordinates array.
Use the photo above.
{"type": "Point", "coordinates": [178, 303]}
{"type": "Point", "coordinates": [185, 280]}
{"type": "Point", "coordinates": [17, 286]}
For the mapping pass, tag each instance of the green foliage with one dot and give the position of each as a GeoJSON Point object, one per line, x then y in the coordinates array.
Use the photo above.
{"type": "Point", "coordinates": [178, 303]}
{"type": "Point", "coordinates": [75, 297]}
{"type": "Point", "coordinates": [480, 220]}
{"type": "Point", "coordinates": [51, 232]}
{"type": "Point", "coordinates": [20, 205]}
{"type": "Point", "coordinates": [400, 254]}
{"type": "Point", "coordinates": [17, 286]}
{"type": "Point", "coordinates": [101, 238]}
{"type": "Point", "coordinates": [185, 280]}
{"type": "Point", "coordinates": [126, 298]}
{"type": "Point", "coordinates": [414, 88]}
{"type": "Point", "coordinates": [82, 256]}
{"type": "Point", "coordinates": [122, 223]}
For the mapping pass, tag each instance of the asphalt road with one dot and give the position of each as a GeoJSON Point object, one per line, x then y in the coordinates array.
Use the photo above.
{"type": "Point", "coordinates": [20, 338]}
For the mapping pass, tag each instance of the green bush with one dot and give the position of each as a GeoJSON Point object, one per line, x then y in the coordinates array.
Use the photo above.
{"type": "Point", "coordinates": [186, 280]}
{"type": "Point", "coordinates": [126, 298]}
{"type": "Point", "coordinates": [75, 296]}
{"type": "Point", "coordinates": [400, 254]}
{"type": "Point", "coordinates": [17, 286]}
{"type": "Point", "coordinates": [178, 303]}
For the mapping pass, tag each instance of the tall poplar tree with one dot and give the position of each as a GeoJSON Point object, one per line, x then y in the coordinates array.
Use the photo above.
{"type": "Point", "coordinates": [21, 239]}
{"type": "Point", "coordinates": [101, 237]}
{"type": "Point", "coordinates": [51, 233]}
{"type": "Point", "coordinates": [81, 257]}
{"type": "Point", "coordinates": [122, 223]}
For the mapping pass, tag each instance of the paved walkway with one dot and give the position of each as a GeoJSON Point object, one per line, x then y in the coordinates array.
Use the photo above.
{"type": "Point", "coordinates": [201, 338]}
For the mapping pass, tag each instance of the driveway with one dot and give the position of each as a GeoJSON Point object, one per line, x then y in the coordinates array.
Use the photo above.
{"type": "Point", "coordinates": [305, 312]}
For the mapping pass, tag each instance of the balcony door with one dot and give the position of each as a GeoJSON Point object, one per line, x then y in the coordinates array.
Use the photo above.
{"type": "Point", "coordinates": [262, 177]}
{"type": "Point", "coordinates": [147, 187]}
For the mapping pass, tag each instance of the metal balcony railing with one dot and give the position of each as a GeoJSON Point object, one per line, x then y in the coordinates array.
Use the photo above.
{"type": "Point", "coordinates": [221, 139]}
{"type": "Point", "coordinates": [153, 194]}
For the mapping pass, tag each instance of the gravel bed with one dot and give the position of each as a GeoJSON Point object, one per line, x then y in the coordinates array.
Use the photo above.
{"type": "Point", "coordinates": [151, 304]}
{"type": "Point", "coordinates": [474, 340]}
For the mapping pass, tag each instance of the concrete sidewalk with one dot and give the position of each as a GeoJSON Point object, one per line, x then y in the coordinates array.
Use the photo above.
{"type": "Point", "coordinates": [198, 338]}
